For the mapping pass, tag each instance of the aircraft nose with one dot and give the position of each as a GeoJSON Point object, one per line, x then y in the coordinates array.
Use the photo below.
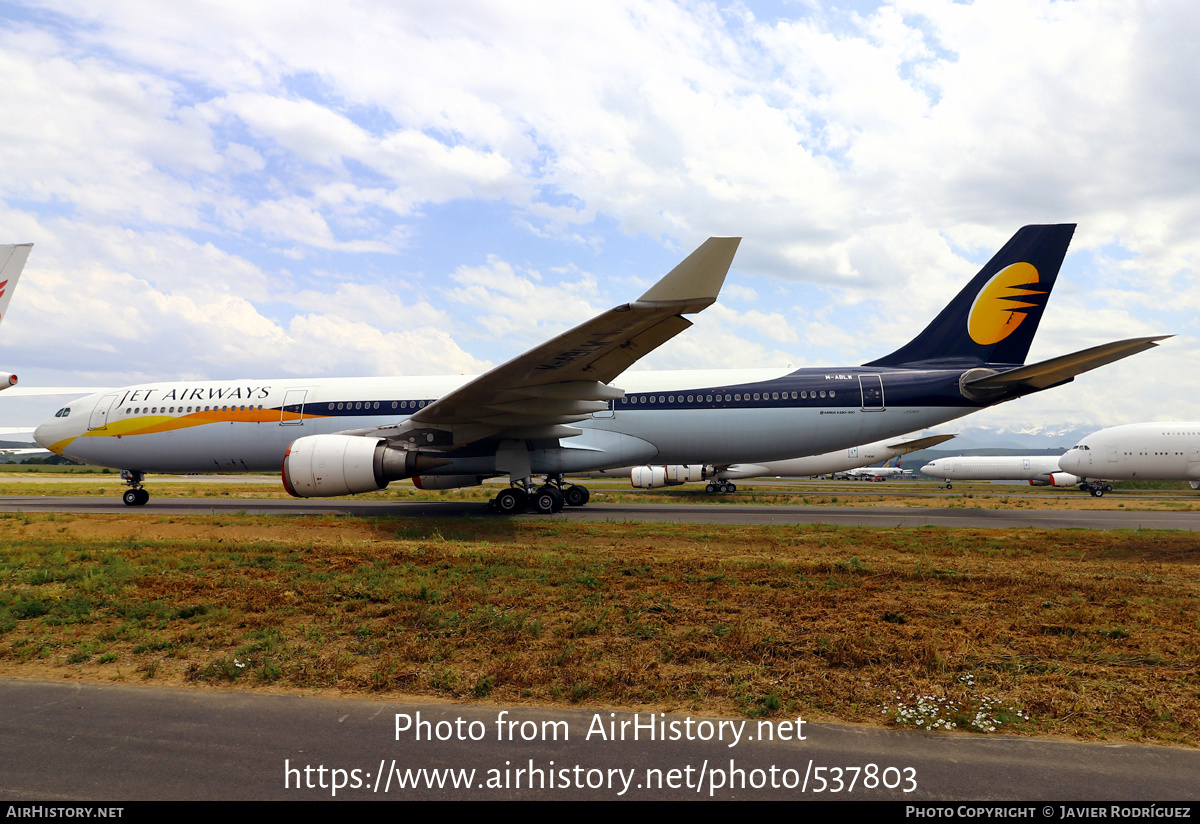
{"type": "Point", "coordinates": [42, 435]}
{"type": "Point", "coordinates": [1069, 461]}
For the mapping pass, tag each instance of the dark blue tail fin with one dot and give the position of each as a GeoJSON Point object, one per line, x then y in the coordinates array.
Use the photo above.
{"type": "Point", "coordinates": [994, 318]}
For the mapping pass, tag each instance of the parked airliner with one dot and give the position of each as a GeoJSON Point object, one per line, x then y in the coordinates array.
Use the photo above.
{"type": "Point", "coordinates": [554, 410]}
{"type": "Point", "coordinates": [12, 263]}
{"type": "Point", "coordinates": [1166, 451]}
{"type": "Point", "coordinates": [1039, 470]}
{"type": "Point", "coordinates": [720, 478]}
{"type": "Point", "coordinates": [876, 473]}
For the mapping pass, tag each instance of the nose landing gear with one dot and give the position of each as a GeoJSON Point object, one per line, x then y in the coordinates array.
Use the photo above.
{"type": "Point", "coordinates": [135, 495]}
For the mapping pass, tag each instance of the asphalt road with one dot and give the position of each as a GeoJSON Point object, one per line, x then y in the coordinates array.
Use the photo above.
{"type": "Point", "coordinates": [681, 513]}
{"type": "Point", "coordinates": [85, 742]}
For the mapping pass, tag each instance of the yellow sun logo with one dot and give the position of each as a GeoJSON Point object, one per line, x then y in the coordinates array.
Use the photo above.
{"type": "Point", "coordinates": [996, 314]}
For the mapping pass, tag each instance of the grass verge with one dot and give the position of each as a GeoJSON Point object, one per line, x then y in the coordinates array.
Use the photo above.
{"type": "Point", "coordinates": [1082, 633]}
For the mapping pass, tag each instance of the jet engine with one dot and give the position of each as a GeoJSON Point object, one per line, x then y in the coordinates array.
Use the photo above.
{"type": "Point", "coordinates": [321, 466]}
{"type": "Point", "coordinates": [7, 379]}
{"type": "Point", "coordinates": [653, 477]}
{"type": "Point", "coordinates": [1055, 479]}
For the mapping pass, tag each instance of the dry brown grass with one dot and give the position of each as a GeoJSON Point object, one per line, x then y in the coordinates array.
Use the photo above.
{"type": "Point", "coordinates": [1092, 634]}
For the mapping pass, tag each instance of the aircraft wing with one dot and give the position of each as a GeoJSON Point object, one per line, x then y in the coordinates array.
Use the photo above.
{"type": "Point", "coordinates": [537, 394]}
{"type": "Point", "coordinates": [1061, 369]}
{"type": "Point", "coordinates": [17, 430]}
{"type": "Point", "coordinates": [40, 391]}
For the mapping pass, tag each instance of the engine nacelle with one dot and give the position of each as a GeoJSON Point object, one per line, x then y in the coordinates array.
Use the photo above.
{"type": "Point", "coordinates": [447, 481]}
{"type": "Point", "coordinates": [648, 477]}
{"type": "Point", "coordinates": [687, 474]}
{"type": "Point", "coordinates": [1056, 479]}
{"type": "Point", "coordinates": [653, 477]}
{"type": "Point", "coordinates": [323, 466]}
{"type": "Point", "coordinates": [7, 379]}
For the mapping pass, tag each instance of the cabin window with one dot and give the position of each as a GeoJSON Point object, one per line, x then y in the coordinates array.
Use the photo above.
{"type": "Point", "coordinates": [832, 393]}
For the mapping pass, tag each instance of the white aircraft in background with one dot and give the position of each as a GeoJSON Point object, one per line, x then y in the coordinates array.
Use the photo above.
{"type": "Point", "coordinates": [1156, 451]}
{"type": "Point", "coordinates": [12, 263]}
{"type": "Point", "coordinates": [1039, 470]}
{"type": "Point", "coordinates": [553, 411]}
{"type": "Point", "coordinates": [720, 478]}
{"type": "Point", "coordinates": [876, 473]}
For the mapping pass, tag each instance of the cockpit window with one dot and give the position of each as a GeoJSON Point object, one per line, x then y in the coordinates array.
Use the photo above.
{"type": "Point", "coordinates": [62, 413]}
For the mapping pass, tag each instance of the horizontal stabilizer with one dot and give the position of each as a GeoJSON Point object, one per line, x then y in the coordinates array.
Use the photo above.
{"type": "Point", "coordinates": [904, 447]}
{"type": "Point", "coordinates": [1057, 370]}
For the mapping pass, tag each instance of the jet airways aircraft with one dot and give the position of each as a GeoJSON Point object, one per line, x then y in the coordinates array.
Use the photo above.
{"type": "Point", "coordinates": [720, 478]}
{"type": "Point", "coordinates": [1166, 451]}
{"type": "Point", "coordinates": [554, 411]}
{"type": "Point", "coordinates": [1039, 470]}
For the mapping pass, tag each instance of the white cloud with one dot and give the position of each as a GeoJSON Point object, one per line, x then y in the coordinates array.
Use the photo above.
{"type": "Point", "coordinates": [167, 158]}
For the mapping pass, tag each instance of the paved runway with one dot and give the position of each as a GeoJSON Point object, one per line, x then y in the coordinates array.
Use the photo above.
{"type": "Point", "coordinates": [680, 513]}
{"type": "Point", "coordinates": [79, 742]}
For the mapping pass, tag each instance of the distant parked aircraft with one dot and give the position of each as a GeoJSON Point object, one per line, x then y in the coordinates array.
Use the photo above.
{"type": "Point", "coordinates": [1039, 470]}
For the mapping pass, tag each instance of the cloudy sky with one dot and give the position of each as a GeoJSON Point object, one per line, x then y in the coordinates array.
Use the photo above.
{"type": "Point", "coordinates": [221, 189]}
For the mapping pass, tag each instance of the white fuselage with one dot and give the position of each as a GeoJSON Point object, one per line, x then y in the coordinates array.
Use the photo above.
{"type": "Point", "coordinates": [839, 460]}
{"type": "Point", "coordinates": [992, 467]}
{"type": "Point", "coordinates": [1168, 451]}
{"type": "Point", "coordinates": [187, 426]}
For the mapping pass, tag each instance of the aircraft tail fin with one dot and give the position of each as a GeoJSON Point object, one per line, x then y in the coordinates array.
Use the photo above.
{"type": "Point", "coordinates": [12, 262]}
{"type": "Point", "coordinates": [994, 318]}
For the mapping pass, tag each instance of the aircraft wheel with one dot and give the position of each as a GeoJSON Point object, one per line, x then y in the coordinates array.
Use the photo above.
{"type": "Point", "coordinates": [949, 485]}
{"type": "Point", "coordinates": [547, 500]}
{"type": "Point", "coordinates": [511, 501]}
{"type": "Point", "coordinates": [576, 495]}
{"type": "Point", "coordinates": [1097, 492]}
{"type": "Point", "coordinates": [1108, 487]}
{"type": "Point", "coordinates": [143, 496]}
{"type": "Point", "coordinates": [731, 487]}
{"type": "Point", "coordinates": [711, 488]}
{"type": "Point", "coordinates": [132, 498]}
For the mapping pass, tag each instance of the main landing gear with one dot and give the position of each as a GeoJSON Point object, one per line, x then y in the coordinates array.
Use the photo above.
{"type": "Point", "coordinates": [547, 499]}
{"type": "Point", "coordinates": [135, 495]}
{"type": "Point", "coordinates": [720, 486]}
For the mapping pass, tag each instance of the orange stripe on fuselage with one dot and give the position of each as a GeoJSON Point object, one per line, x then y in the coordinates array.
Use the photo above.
{"type": "Point", "coordinates": [154, 424]}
